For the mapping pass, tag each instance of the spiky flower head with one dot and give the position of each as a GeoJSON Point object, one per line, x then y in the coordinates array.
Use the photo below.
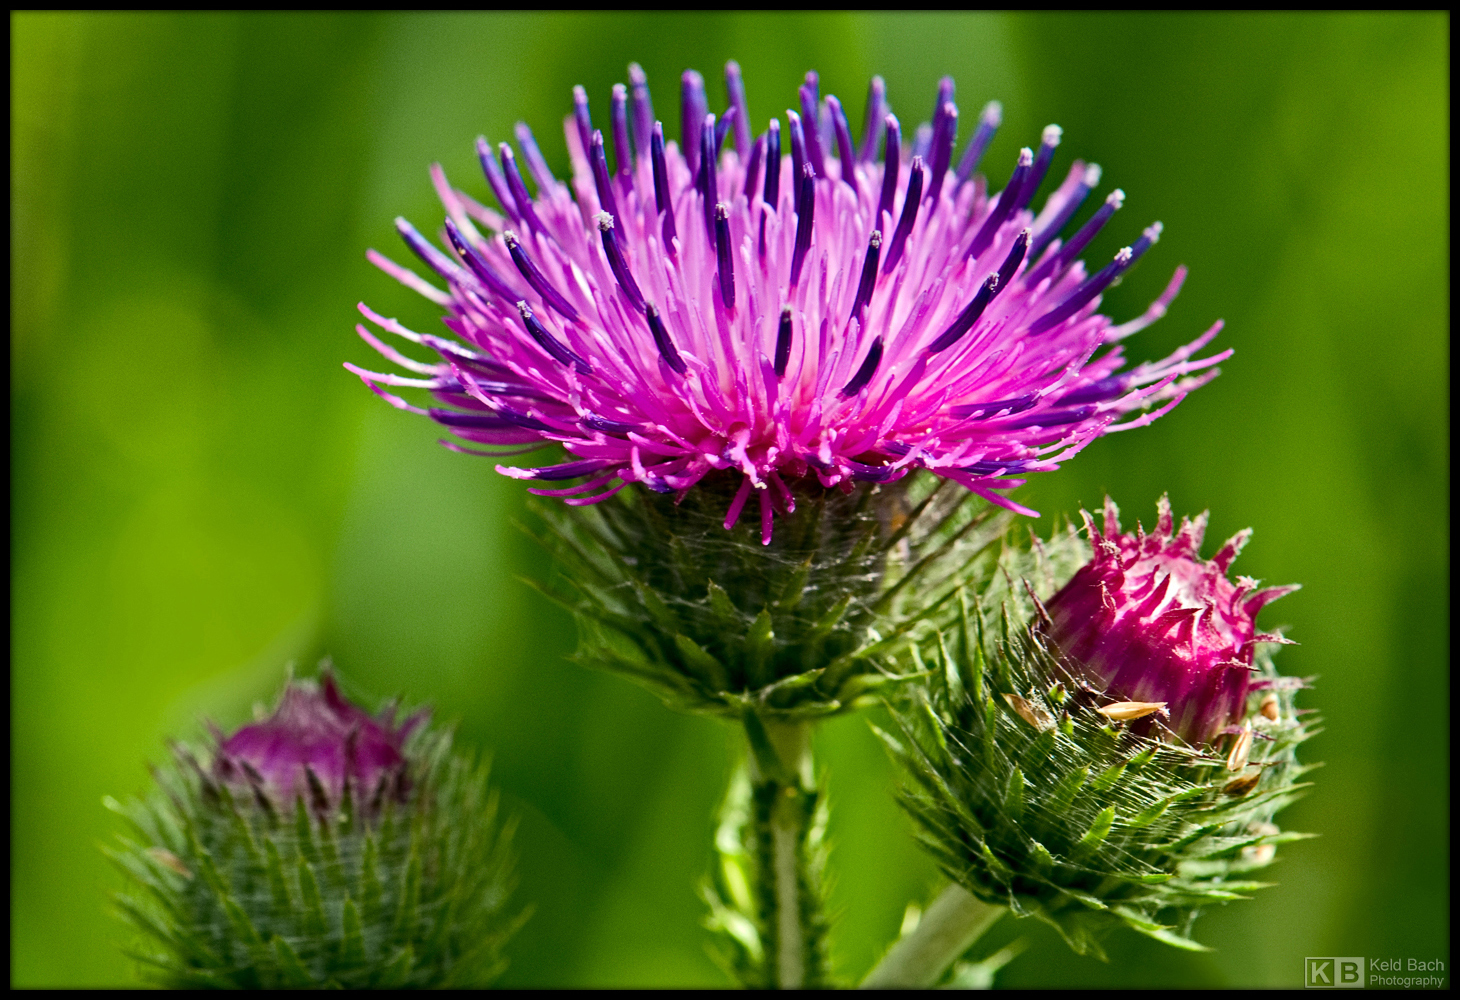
{"type": "Point", "coordinates": [1148, 621]}
{"type": "Point", "coordinates": [319, 847]}
{"type": "Point", "coordinates": [798, 310]}
{"type": "Point", "coordinates": [1039, 786]}
{"type": "Point", "coordinates": [790, 326]}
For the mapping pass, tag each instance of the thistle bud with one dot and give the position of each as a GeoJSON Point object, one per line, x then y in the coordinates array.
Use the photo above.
{"type": "Point", "coordinates": [1172, 743]}
{"type": "Point", "coordinates": [319, 847]}
{"type": "Point", "coordinates": [1145, 620]}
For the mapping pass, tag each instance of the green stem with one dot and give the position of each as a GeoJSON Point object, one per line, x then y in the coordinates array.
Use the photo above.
{"type": "Point", "coordinates": [784, 796]}
{"type": "Point", "coordinates": [948, 929]}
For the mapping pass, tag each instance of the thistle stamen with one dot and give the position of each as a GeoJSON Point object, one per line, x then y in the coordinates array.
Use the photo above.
{"type": "Point", "coordinates": [910, 205]}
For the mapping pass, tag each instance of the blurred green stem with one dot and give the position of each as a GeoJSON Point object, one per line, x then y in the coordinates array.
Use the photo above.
{"type": "Point", "coordinates": [783, 792]}
{"type": "Point", "coordinates": [948, 929]}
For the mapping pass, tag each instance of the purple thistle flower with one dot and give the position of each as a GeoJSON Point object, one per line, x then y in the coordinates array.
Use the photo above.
{"type": "Point", "coordinates": [676, 317]}
{"type": "Point", "coordinates": [316, 743]}
{"type": "Point", "coordinates": [1147, 621]}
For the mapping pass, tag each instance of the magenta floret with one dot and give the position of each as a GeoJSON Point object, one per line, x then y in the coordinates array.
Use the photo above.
{"type": "Point", "coordinates": [687, 312]}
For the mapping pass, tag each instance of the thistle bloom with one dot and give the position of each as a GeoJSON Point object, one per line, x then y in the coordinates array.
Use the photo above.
{"type": "Point", "coordinates": [315, 743]}
{"type": "Point", "coordinates": [1150, 622]}
{"type": "Point", "coordinates": [798, 306]}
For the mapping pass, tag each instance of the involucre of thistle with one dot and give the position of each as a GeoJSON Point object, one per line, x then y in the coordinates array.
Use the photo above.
{"type": "Point", "coordinates": [320, 847]}
{"type": "Point", "coordinates": [1131, 787]}
{"type": "Point", "coordinates": [806, 626]}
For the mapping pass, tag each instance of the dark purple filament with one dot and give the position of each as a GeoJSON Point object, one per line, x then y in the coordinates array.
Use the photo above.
{"type": "Point", "coordinates": [946, 89]}
{"type": "Point", "coordinates": [988, 124]}
{"type": "Point", "coordinates": [598, 159]}
{"type": "Point", "coordinates": [423, 248]}
{"type": "Point", "coordinates": [805, 209]}
{"type": "Point", "coordinates": [872, 120]}
{"type": "Point", "coordinates": [536, 278]}
{"type": "Point", "coordinates": [692, 111]}
{"type": "Point", "coordinates": [752, 168]}
{"type": "Point", "coordinates": [666, 346]}
{"type": "Point", "coordinates": [945, 133]}
{"type": "Point", "coordinates": [811, 127]}
{"type": "Point", "coordinates": [843, 142]}
{"type": "Point", "coordinates": [477, 263]}
{"type": "Point", "coordinates": [541, 172]}
{"type": "Point", "coordinates": [967, 317]}
{"type": "Point", "coordinates": [798, 154]}
{"type": "Point", "coordinates": [783, 342]}
{"type": "Point", "coordinates": [1011, 263]}
{"type": "Point", "coordinates": [619, 119]}
{"type": "Point", "coordinates": [708, 180]}
{"type": "Point", "coordinates": [1008, 199]}
{"type": "Point", "coordinates": [723, 257]}
{"type": "Point", "coordinates": [868, 283]}
{"type": "Point", "coordinates": [496, 181]}
{"type": "Point", "coordinates": [772, 193]}
{"type": "Point", "coordinates": [618, 265]}
{"type": "Point", "coordinates": [1067, 253]}
{"type": "Point", "coordinates": [909, 215]}
{"type": "Point", "coordinates": [582, 119]}
{"type": "Point", "coordinates": [555, 347]}
{"type": "Point", "coordinates": [1094, 286]}
{"type": "Point", "coordinates": [892, 166]}
{"type": "Point", "coordinates": [868, 369]}
{"type": "Point", "coordinates": [518, 189]}
{"type": "Point", "coordinates": [722, 129]}
{"type": "Point", "coordinates": [1065, 214]}
{"type": "Point", "coordinates": [643, 109]}
{"type": "Point", "coordinates": [735, 88]}
{"type": "Point", "coordinates": [662, 200]}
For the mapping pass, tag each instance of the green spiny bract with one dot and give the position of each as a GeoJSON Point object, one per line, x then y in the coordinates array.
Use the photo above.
{"type": "Point", "coordinates": [713, 621]}
{"type": "Point", "coordinates": [404, 885]}
{"type": "Point", "coordinates": [1028, 796]}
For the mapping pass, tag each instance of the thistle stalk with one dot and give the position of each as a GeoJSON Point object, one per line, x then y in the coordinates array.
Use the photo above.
{"type": "Point", "coordinates": [783, 836]}
{"type": "Point", "coordinates": [774, 830]}
{"type": "Point", "coordinates": [949, 928]}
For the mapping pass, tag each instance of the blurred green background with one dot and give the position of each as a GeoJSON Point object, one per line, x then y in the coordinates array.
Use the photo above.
{"type": "Point", "coordinates": [199, 492]}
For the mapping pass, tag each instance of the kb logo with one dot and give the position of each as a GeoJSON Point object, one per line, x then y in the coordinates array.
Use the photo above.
{"type": "Point", "coordinates": [1333, 973]}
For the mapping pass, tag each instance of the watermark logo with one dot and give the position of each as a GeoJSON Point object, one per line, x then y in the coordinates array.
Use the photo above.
{"type": "Point", "coordinates": [1382, 973]}
{"type": "Point", "coordinates": [1333, 973]}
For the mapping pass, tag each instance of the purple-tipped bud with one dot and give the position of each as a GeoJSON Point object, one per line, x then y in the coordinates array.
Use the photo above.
{"type": "Point", "coordinates": [317, 741]}
{"type": "Point", "coordinates": [1148, 621]}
